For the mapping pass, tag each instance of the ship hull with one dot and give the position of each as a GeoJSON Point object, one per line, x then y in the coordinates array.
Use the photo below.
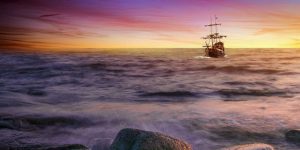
{"type": "Point", "coordinates": [216, 53]}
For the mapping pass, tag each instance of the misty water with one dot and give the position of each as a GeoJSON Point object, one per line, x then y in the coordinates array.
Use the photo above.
{"type": "Point", "coordinates": [49, 98]}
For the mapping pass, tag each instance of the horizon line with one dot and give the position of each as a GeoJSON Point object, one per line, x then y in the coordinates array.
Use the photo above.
{"type": "Point", "coordinates": [100, 49]}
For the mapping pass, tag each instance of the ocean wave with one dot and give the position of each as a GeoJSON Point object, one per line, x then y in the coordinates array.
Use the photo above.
{"type": "Point", "coordinates": [31, 70]}
{"type": "Point", "coordinates": [96, 65]}
{"type": "Point", "coordinates": [36, 72]}
{"type": "Point", "coordinates": [282, 58]}
{"type": "Point", "coordinates": [291, 58]}
{"type": "Point", "coordinates": [119, 64]}
{"type": "Point", "coordinates": [12, 102]}
{"type": "Point", "coordinates": [39, 122]}
{"type": "Point", "coordinates": [32, 91]}
{"type": "Point", "coordinates": [36, 92]}
{"type": "Point", "coordinates": [235, 133]}
{"type": "Point", "coordinates": [247, 83]}
{"type": "Point", "coordinates": [169, 94]}
{"type": "Point", "coordinates": [251, 92]}
{"type": "Point", "coordinates": [241, 69]}
{"type": "Point", "coordinates": [103, 66]}
{"type": "Point", "coordinates": [117, 67]}
{"type": "Point", "coordinates": [141, 65]}
{"type": "Point", "coordinates": [163, 100]}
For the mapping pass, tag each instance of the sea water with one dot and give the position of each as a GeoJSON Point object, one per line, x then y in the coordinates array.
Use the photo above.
{"type": "Point", "coordinates": [86, 97]}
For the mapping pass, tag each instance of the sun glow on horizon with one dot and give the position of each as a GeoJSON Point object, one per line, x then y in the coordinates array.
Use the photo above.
{"type": "Point", "coordinates": [79, 24]}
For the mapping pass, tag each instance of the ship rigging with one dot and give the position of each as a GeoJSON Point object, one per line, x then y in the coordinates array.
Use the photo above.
{"type": "Point", "coordinates": [214, 47]}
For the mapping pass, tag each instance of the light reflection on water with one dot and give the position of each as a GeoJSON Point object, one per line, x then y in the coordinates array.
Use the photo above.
{"type": "Point", "coordinates": [250, 96]}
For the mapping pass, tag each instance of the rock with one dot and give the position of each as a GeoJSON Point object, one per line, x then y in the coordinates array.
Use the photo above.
{"type": "Point", "coordinates": [5, 125]}
{"type": "Point", "coordinates": [293, 135]}
{"type": "Point", "coordinates": [256, 146]}
{"type": "Point", "coordinates": [134, 139]}
{"type": "Point", "coordinates": [102, 144]}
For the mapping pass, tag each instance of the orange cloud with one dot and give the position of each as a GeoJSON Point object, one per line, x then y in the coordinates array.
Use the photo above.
{"type": "Point", "coordinates": [93, 23]}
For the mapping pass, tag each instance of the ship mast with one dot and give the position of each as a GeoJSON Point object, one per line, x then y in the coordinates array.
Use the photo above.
{"type": "Point", "coordinates": [217, 40]}
{"type": "Point", "coordinates": [211, 31]}
{"type": "Point", "coordinates": [214, 37]}
{"type": "Point", "coordinates": [214, 47]}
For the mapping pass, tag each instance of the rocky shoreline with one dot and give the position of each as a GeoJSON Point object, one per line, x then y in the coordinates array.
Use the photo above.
{"type": "Point", "coordinates": [135, 139]}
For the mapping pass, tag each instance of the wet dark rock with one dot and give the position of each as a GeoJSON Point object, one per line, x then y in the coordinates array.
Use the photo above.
{"type": "Point", "coordinates": [256, 146]}
{"type": "Point", "coordinates": [102, 144]}
{"type": "Point", "coordinates": [293, 136]}
{"type": "Point", "coordinates": [134, 139]}
{"type": "Point", "coordinates": [6, 125]}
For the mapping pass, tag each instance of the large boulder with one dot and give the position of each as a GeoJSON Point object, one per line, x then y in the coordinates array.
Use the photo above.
{"type": "Point", "coordinates": [134, 139]}
{"type": "Point", "coordinates": [257, 146]}
{"type": "Point", "coordinates": [293, 135]}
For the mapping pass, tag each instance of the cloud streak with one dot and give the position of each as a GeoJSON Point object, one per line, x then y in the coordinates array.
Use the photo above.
{"type": "Point", "coordinates": [49, 15]}
{"type": "Point", "coordinates": [112, 20]}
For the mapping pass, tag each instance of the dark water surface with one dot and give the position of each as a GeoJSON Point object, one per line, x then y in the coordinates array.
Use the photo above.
{"type": "Point", "coordinates": [87, 97]}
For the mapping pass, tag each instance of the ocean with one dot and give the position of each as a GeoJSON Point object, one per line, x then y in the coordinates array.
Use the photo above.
{"type": "Point", "coordinates": [86, 97]}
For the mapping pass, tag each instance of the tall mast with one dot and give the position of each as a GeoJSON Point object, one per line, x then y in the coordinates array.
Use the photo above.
{"type": "Point", "coordinates": [216, 24]}
{"type": "Point", "coordinates": [216, 49]}
{"type": "Point", "coordinates": [211, 32]}
{"type": "Point", "coordinates": [216, 28]}
{"type": "Point", "coordinates": [214, 36]}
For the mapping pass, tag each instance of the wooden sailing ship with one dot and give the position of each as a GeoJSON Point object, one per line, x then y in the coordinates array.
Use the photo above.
{"type": "Point", "coordinates": [214, 47]}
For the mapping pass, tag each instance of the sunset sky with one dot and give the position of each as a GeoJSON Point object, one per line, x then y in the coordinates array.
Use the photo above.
{"type": "Point", "coordinates": [59, 24]}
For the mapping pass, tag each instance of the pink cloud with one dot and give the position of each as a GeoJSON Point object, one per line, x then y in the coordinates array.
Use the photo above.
{"type": "Point", "coordinates": [92, 18]}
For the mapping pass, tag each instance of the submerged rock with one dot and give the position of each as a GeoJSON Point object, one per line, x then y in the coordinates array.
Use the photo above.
{"type": "Point", "coordinates": [256, 146]}
{"type": "Point", "coordinates": [134, 139]}
{"type": "Point", "coordinates": [293, 135]}
{"type": "Point", "coordinates": [102, 144]}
